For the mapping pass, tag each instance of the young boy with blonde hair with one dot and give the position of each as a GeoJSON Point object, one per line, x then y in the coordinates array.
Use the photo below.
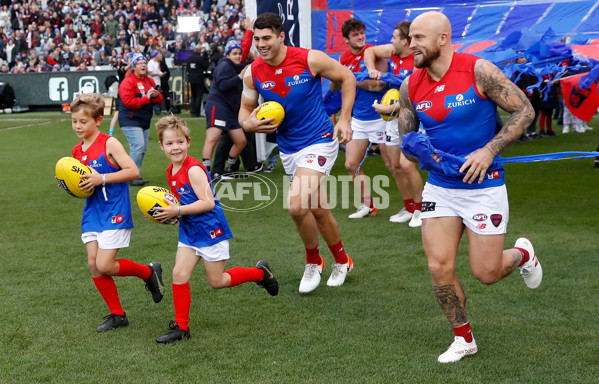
{"type": "Point", "coordinates": [203, 229]}
{"type": "Point", "coordinates": [106, 221]}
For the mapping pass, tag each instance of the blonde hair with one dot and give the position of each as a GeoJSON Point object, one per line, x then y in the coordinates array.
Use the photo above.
{"type": "Point", "coordinates": [171, 122]}
{"type": "Point", "coordinates": [93, 103]}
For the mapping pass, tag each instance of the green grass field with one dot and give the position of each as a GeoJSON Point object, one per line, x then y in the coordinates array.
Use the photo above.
{"type": "Point", "coordinates": [382, 326]}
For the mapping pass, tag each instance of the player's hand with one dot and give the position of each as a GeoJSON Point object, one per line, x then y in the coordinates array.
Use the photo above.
{"type": "Point", "coordinates": [343, 127]}
{"type": "Point", "coordinates": [88, 182]}
{"type": "Point", "coordinates": [162, 214]}
{"type": "Point", "coordinates": [252, 124]}
{"type": "Point", "coordinates": [374, 74]}
{"type": "Point", "coordinates": [384, 109]}
{"type": "Point", "coordinates": [476, 165]}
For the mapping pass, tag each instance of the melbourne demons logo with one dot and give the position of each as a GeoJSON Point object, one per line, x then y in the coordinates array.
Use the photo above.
{"type": "Point", "coordinates": [423, 106]}
{"type": "Point", "coordinates": [268, 85]}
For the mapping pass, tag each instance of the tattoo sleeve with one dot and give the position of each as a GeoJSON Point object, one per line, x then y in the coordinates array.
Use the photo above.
{"type": "Point", "coordinates": [505, 94]}
{"type": "Point", "coordinates": [406, 119]}
{"type": "Point", "coordinates": [450, 304]}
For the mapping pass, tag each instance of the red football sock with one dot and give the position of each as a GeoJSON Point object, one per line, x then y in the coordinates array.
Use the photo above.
{"type": "Point", "coordinates": [240, 275]}
{"type": "Point", "coordinates": [182, 301]}
{"type": "Point", "coordinates": [367, 200]}
{"type": "Point", "coordinates": [107, 288]}
{"type": "Point", "coordinates": [131, 268]}
{"type": "Point", "coordinates": [418, 206]}
{"type": "Point", "coordinates": [525, 256]}
{"type": "Point", "coordinates": [313, 257]}
{"type": "Point", "coordinates": [464, 331]}
{"type": "Point", "coordinates": [409, 204]}
{"type": "Point", "coordinates": [339, 253]}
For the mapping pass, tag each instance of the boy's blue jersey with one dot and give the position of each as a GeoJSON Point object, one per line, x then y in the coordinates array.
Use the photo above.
{"type": "Point", "coordinates": [202, 229]}
{"type": "Point", "coordinates": [456, 117]}
{"type": "Point", "coordinates": [100, 214]}
{"type": "Point", "coordinates": [292, 85]}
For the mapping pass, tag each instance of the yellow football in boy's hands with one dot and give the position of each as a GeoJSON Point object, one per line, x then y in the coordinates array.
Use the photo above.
{"type": "Point", "coordinates": [149, 198]}
{"type": "Point", "coordinates": [271, 109]}
{"type": "Point", "coordinates": [68, 170]}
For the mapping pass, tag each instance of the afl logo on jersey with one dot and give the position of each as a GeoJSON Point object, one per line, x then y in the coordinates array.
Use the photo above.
{"type": "Point", "coordinates": [423, 106]}
{"type": "Point", "coordinates": [268, 85]}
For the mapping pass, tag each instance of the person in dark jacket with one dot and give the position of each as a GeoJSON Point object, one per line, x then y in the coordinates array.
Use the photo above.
{"type": "Point", "coordinates": [197, 63]}
{"type": "Point", "coordinates": [223, 104]}
{"type": "Point", "coordinates": [138, 95]}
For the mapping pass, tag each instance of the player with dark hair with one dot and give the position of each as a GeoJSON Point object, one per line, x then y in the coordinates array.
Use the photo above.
{"type": "Point", "coordinates": [307, 139]}
{"type": "Point", "coordinates": [106, 222]}
{"type": "Point", "coordinates": [407, 178]}
{"type": "Point", "coordinates": [454, 96]}
{"type": "Point", "coordinates": [367, 125]}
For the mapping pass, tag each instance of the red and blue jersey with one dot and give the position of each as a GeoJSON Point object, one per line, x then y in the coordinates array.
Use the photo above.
{"type": "Point", "coordinates": [401, 65]}
{"type": "Point", "coordinates": [364, 99]}
{"type": "Point", "coordinates": [292, 85]}
{"type": "Point", "coordinates": [100, 214]}
{"type": "Point", "coordinates": [201, 229]}
{"type": "Point", "coordinates": [456, 117]}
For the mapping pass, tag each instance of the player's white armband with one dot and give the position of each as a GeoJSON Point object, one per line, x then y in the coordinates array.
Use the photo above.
{"type": "Point", "coordinates": [247, 91]}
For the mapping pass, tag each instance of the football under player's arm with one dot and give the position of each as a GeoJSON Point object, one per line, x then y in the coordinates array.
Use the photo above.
{"type": "Point", "coordinates": [493, 83]}
{"type": "Point", "coordinates": [201, 187]}
{"type": "Point", "coordinates": [247, 112]}
{"type": "Point", "coordinates": [321, 64]}
{"type": "Point", "coordinates": [407, 120]}
{"type": "Point", "coordinates": [371, 54]}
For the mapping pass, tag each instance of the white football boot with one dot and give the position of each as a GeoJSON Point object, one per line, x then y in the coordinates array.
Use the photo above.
{"type": "Point", "coordinates": [402, 216]}
{"type": "Point", "coordinates": [339, 273]}
{"type": "Point", "coordinates": [363, 211]}
{"type": "Point", "coordinates": [457, 350]}
{"type": "Point", "coordinates": [311, 278]}
{"type": "Point", "coordinates": [531, 271]}
{"type": "Point", "coordinates": [416, 221]}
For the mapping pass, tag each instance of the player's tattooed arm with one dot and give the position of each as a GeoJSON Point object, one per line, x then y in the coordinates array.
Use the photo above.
{"type": "Point", "coordinates": [502, 91]}
{"type": "Point", "coordinates": [450, 304]}
{"type": "Point", "coordinates": [407, 120]}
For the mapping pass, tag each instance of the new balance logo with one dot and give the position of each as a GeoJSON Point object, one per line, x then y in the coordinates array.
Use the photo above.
{"type": "Point", "coordinates": [279, 71]}
{"type": "Point", "coordinates": [440, 88]}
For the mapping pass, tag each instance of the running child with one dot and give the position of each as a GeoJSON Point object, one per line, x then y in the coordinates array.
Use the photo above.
{"type": "Point", "coordinates": [106, 221]}
{"type": "Point", "coordinates": [203, 229]}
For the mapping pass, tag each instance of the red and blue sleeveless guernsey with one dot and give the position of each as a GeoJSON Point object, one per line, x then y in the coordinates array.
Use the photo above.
{"type": "Point", "coordinates": [456, 117]}
{"type": "Point", "coordinates": [292, 85]}
{"type": "Point", "coordinates": [364, 99]}
{"type": "Point", "coordinates": [202, 229]}
{"type": "Point", "coordinates": [401, 65]}
{"type": "Point", "coordinates": [100, 214]}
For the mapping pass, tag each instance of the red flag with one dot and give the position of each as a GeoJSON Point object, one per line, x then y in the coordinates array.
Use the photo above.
{"type": "Point", "coordinates": [583, 103]}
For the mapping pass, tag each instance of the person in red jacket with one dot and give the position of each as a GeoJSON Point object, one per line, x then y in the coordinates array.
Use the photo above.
{"type": "Point", "coordinates": [138, 95]}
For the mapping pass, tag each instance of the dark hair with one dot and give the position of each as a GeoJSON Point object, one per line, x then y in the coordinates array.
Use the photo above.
{"type": "Point", "coordinates": [404, 30]}
{"type": "Point", "coordinates": [351, 25]}
{"type": "Point", "coordinates": [269, 20]}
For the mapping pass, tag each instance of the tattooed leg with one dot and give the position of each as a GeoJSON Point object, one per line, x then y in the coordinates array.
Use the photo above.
{"type": "Point", "coordinates": [451, 305]}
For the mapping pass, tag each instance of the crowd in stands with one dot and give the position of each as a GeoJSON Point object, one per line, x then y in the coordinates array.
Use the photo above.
{"type": "Point", "coordinates": [69, 35]}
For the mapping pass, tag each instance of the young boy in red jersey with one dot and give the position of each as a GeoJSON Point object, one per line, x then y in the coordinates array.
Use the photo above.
{"type": "Point", "coordinates": [203, 229]}
{"type": "Point", "coordinates": [106, 222]}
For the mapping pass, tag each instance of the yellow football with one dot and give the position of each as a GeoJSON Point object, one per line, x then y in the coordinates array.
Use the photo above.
{"type": "Point", "coordinates": [271, 109]}
{"type": "Point", "coordinates": [68, 170]}
{"type": "Point", "coordinates": [149, 198]}
{"type": "Point", "coordinates": [389, 98]}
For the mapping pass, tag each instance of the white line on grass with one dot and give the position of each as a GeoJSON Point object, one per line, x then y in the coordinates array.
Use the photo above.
{"type": "Point", "coordinates": [30, 125]}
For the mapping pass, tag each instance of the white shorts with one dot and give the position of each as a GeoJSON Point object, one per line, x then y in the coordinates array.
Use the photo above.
{"type": "Point", "coordinates": [110, 239]}
{"type": "Point", "coordinates": [372, 130]}
{"type": "Point", "coordinates": [319, 157]}
{"type": "Point", "coordinates": [485, 211]}
{"type": "Point", "coordinates": [210, 253]}
{"type": "Point", "coordinates": [391, 133]}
